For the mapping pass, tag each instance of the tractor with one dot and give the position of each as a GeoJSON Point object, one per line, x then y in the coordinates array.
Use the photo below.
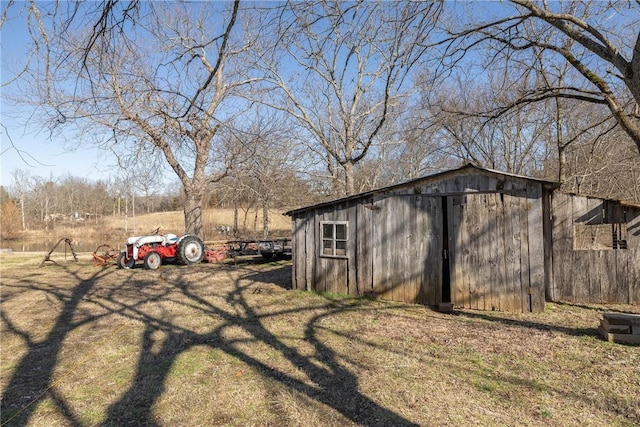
{"type": "Point", "coordinates": [155, 249]}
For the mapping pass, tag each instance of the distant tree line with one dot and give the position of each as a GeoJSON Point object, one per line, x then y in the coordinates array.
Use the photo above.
{"type": "Point", "coordinates": [35, 203]}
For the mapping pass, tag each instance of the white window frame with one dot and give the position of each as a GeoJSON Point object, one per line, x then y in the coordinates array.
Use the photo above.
{"type": "Point", "coordinates": [337, 247]}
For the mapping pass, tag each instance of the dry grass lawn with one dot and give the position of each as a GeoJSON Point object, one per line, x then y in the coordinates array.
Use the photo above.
{"type": "Point", "coordinates": [224, 344]}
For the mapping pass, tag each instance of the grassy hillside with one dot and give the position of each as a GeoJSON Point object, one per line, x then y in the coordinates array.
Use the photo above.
{"type": "Point", "coordinates": [215, 221]}
{"type": "Point", "coordinates": [212, 220]}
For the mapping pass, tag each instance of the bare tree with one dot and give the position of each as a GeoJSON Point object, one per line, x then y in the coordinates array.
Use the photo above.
{"type": "Point", "coordinates": [605, 165]}
{"type": "Point", "coordinates": [515, 141]}
{"type": "Point", "coordinates": [343, 67]}
{"type": "Point", "coordinates": [265, 178]}
{"type": "Point", "coordinates": [599, 40]}
{"type": "Point", "coordinates": [163, 86]}
{"type": "Point", "coordinates": [22, 181]}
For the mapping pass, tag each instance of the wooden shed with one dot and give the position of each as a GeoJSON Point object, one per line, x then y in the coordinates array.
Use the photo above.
{"type": "Point", "coordinates": [595, 250]}
{"type": "Point", "coordinates": [471, 236]}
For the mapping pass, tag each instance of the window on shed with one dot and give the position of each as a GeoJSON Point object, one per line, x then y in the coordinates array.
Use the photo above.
{"type": "Point", "coordinates": [334, 238]}
{"type": "Point", "coordinates": [593, 237]}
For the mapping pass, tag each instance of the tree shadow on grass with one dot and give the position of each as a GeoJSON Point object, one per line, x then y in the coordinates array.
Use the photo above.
{"type": "Point", "coordinates": [320, 375]}
{"type": "Point", "coordinates": [567, 330]}
{"type": "Point", "coordinates": [327, 380]}
{"type": "Point", "coordinates": [593, 307]}
{"type": "Point", "coordinates": [32, 378]}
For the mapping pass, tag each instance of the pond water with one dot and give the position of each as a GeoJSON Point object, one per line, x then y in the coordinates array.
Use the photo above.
{"type": "Point", "coordinates": [46, 244]}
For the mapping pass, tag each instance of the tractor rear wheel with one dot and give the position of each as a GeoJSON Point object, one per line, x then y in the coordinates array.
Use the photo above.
{"type": "Point", "coordinates": [124, 262]}
{"type": "Point", "coordinates": [152, 260]}
{"type": "Point", "coordinates": [190, 249]}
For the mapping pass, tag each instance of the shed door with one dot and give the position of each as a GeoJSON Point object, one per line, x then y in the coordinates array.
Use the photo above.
{"type": "Point", "coordinates": [406, 247]}
{"type": "Point", "coordinates": [488, 251]}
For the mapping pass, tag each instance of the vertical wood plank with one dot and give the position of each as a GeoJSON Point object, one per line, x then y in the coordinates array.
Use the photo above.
{"type": "Point", "coordinates": [536, 247]}
{"type": "Point", "coordinates": [317, 265]}
{"type": "Point", "coordinates": [295, 249]}
{"type": "Point", "coordinates": [388, 245]}
{"type": "Point", "coordinates": [454, 262]}
{"type": "Point", "coordinates": [563, 253]}
{"type": "Point", "coordinates": [436, 248]}
{"type": "Point", "coordinates": [609, 277]}
{"type": "Point", "coordinates": [580, 275]}
{"type": "Point", "coordinates": [549, 284]}
{"type": "Point", "coordinates": [511, 264]}
{"type": "Point", "coordinates": [459, 282]}
{"type": "Point", "coordinates": [622, 275]}
{"type": "Point", "coordinates": [475, 205]}
{"type": "Point", "coordinates": [398, 237]}
{"type": "Point", "coordinates": [487, 226]}
{"type": "Point", "coordinates": [414, 256]}
{"type": "Point", "coordinates": [424, 242]}
{"type": "Point", "coordinates": [381, 263]}
{"type": "Point", "coordinates": [299, 249]}
{"type": "Point", "coordinates": [591, 274]}
{"type": "Point", "coordinates": [524, 255]}
{"type": "Point", "coordinates": [364, 251]}
{"type": "Point", "coordinates": [505, 285]}
{"type": "Point", "coordinates": [595, 262]}
{"type": "Point", "coordinates": [494, 275]}
{"type": "Point", "coordinates": [310, 252]}
{"type": "Point", "coordinates": [633, 275]}
{"type": "Point", "coordinates": [512, 256]}
{"type": "Point", "coordinates": [468, 248]}
{"type": "Point", "coordinates": [392, 249]}
{"type": "Point", "coordinates": [471, 247]}
{"type": "Point", "coordinates": [352, 249]}
{"type": "Point", "coordinates": [632, 265]}
{"type": "Point", "coordinates": [376, 248]}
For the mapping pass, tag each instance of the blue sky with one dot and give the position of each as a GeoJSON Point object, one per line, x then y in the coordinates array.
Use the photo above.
{"type": "Point", "coordinates": [39, 155]}
{"type": "Point", "coordinates": [24, 144]}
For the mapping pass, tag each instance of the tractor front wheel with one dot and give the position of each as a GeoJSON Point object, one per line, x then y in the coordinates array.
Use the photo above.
{"type": "Point", "coordinates": [124, 262]}
{"type": "Point", "coordinates": [152, 260]}
{"type": "Point", "coordinates": [190, 249]}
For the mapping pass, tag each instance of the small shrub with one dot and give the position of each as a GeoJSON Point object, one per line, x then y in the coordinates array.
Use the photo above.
{"type": "Point", "coordinates": [10, 224]}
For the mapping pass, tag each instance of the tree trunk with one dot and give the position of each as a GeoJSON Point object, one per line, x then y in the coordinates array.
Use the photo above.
{"type": "Point", "coordinates": [235, 218]}
{"type": "Point", "coordinates": [245, 218]}
{"type": "Point", "coordinates": [193, 213]}
{"type": "Point", "coordinates": [562, 154]}
{"type": "Point", "coordinates": [265, 220]}
{"type": "Point", "coordinates": [349, 186]}
{"type": "Point", "coordinates": [562, 164]}
{"type": "Point", "coordinates": [24, 222]}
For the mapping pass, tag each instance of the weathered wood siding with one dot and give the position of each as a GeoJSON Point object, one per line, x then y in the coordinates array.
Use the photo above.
{"type": "Point", "coordinates": [405, 247]}
{"type": "Point", "coordinates": [593, 275]}
{"type": "Point", "coordinates": [392, 250]}
{"type": "Point", "coordinates": [498, 258]}
{"type": "Point", "coordinates": [495, 243]}
{"type": "Point", "coordinates": [314, 272]}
